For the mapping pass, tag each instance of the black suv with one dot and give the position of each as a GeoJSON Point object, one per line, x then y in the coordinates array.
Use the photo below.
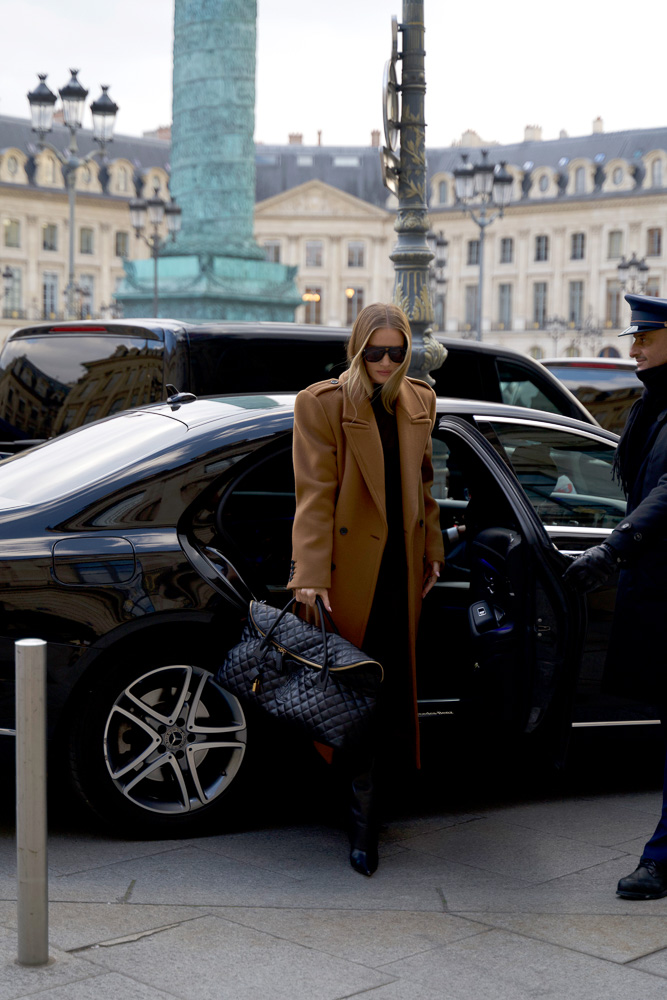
{"type": "Point", "coordinates": [57, 376]}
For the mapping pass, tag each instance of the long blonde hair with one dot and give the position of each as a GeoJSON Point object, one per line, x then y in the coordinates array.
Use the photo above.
{"type": "Point", "coordinates": [377, 316]}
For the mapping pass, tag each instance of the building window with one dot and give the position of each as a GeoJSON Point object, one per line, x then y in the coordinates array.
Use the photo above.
{"type": "Point", "coordinates": [580, 181]}
{"type": "Point", "coordinates": [314, 253]}
{"type": "Point", "coordinates": [12, 165]}
{"type": "Point", "coordinates": [122, 244]}
{"type": "Point", "coordinates": [653, 287]}
{"type": "Point", "coordinates": [442, 192]}
{"type": "Point", "coordinates": [85, 240]}
{"type": "Point", "coordinates": [346, 161]}
{"type": "Point", "coordinates": [49, 295]}
{"type": "Point", "coordinates": [576, 303]}
{"type": "Point", "coordinates": [355, 303]}
{"type": "Point", "coordinates": [506, 250]}
{"type": "Point", "coordinates": [656, 174]}
{"type": "Point", "coordinates": [12, 303]}
{"type": "Point", "coordinates": [473, 252]}
{"type": "Point", "coordinates": [122, 180]}
{"type": "Point", "coordinates": [304, 161]}
{"type": "Point", "coordinates": [617, 175]}
{"type": "Point", "coordinates": [471, 307]}
{"type": "Point", "coordinates": [571, 352]}
{"type": "Point", "coordinates": [49, 236]}
{"type": "Point", "coordinates": [543, 183]}
{"type": "Point", "coordinates": [505, 307]}
{"type": "Point", "coordinates": [540, 304]}
{"type": "Point", "coordinates": [12, 228]}
{"type": "Point", "coordinates": [613, 305]}
{"type": "Point", "coordinates": [312, 297]}
{"type": "Point", "coordinates": [272, 250]}
{"type": "Point", "coordinates": [355, 253]}
{"type": "Point", "coordinates": [536, 352]}
{"type": "Point", "coordinates": [541, 248]}
{"type": "Point", "coordinates": [577, 246]}
{"type": "Point", "coordinates": [615, 244]}
{"type": "Point", "coordinates": [654, 242]}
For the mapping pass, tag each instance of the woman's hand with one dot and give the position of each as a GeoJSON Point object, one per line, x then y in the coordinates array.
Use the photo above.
{"type": "Point", "coordinates": [308, 595]}
{"type": "Point", "coordinates": [430, 576]}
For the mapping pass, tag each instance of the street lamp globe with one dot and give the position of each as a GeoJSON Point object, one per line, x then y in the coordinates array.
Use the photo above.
{"type": "Point", "coordinates": [502, 186]}
{"type": "Point", "coordinates": [483, 174]}
{"type": "Point", "coordinates": [104, 112]}
{"type": "Point", "coordinates": [138, 210]}
{"type": "Point", "coordinates": [42, 106]}
{"type": "Point", "coordinates": [73, 96]}
{"type": "Point", "coordinates": [155, 206]}
{"type": "Point", "coordinates": [173, 213]}
{"type": "Point", "coordinates": [464, 179]}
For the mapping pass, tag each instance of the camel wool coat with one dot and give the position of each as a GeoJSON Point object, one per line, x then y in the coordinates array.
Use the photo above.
{"type": "Point", "coordinates": [340, 525]}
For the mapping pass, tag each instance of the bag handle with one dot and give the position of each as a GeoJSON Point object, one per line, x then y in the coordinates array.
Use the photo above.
{"type": "Point", "coordinates": [321, 614]}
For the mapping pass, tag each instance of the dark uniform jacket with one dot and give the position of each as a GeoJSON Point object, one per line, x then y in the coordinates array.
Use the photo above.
{"type": "Point", "coordinates": [637, 658]}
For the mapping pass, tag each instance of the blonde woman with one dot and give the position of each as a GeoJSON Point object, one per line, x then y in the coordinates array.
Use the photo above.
{"type": "Point", "coordinates": [366, 535]}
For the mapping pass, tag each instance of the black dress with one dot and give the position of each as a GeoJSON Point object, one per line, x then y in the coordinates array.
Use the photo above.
{"type": "Point", "coordinates": [386, 636]}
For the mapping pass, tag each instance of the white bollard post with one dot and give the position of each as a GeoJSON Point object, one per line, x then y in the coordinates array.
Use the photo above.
{"type": "Point", "coordinates": [33, 895]}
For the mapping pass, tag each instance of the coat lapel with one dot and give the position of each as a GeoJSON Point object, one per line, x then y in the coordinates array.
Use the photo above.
{"type": "Point", "coordinates": [414, 428]}
{"type": "Point", "coordinates": [363, 438]}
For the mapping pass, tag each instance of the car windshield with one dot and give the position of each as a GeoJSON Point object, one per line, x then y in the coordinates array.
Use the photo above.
{"type": "Point", "coordinates": [70, 463]}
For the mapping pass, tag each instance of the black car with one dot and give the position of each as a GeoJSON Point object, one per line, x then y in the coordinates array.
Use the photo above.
{"type": "Point", "coordinates": [58, 376]}
{"type": "Point", "coordinates": [607, 387]}
{"type": "Point", "coordinates": [132, 546]}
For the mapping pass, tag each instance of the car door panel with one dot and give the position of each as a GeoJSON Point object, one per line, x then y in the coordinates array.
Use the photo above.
{"type": "Point", "coordinates": [516, 668]}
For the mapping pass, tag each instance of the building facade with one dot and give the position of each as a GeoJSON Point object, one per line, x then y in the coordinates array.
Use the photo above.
{"type": "Point", "coordinates": [579, 206]}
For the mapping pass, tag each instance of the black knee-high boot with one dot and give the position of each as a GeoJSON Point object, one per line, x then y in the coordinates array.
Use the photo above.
{"type": "Point", "coordinates": [363, 823]}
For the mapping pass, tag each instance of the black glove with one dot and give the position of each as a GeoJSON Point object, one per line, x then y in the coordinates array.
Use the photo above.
{"type": "Point", "coordinates": [592, 568]}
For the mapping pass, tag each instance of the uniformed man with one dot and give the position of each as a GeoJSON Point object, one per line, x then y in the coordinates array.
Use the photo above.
{"type": "Point", "coordinates": [637, 658]}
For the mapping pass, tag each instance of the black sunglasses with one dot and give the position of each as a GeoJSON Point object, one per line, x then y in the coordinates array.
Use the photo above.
{"type": "Point", "coordinates": [375, 354]}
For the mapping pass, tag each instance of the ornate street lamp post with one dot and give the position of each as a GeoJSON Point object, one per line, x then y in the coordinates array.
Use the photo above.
{"type": "Point", "coordinates": [436, 275]}
{"type": "Point", "coordinates": [42, 106]}
{"type": "Point", "coordinates": [404, 173]}
{"type": "Point", "coordinates": [478, 186]}
{"type": "Point", "coordinates": [156, 209]}
{"type": "Point", "coordinates": [633, 274]}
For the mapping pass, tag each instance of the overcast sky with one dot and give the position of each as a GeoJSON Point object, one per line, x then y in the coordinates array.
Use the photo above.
{"type": "Point", "coordinates": [493, 67]}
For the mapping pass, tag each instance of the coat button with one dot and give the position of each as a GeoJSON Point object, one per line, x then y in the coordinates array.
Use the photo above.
{"type": "Point", "coordinates": [343, 531]}
{"type": "Point", "coordinates": [638, 536]}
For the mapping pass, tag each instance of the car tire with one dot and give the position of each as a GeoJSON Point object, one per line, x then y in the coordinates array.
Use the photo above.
{"type": "Point", "coordinates": [158, 746]}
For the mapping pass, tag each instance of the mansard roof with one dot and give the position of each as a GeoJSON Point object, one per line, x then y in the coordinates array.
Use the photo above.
{"type": "Point", "coordinates": [356, 169]}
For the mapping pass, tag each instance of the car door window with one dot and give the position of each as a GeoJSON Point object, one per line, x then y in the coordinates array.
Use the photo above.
{"type": "Point", "coordinates": [519, 387]}
{"type": "Point", "coordinates": [566, 476]}
{"type": "Point", "coordinates": [256, 515]}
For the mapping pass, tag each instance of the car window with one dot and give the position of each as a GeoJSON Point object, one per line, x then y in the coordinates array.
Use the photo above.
{"type": "Point", "coordinates": [256, 514]}
{"type": "Point", "coordinates": [607, 393]}
{"type": "Point", "coordinates": [520, 387]}
{"type": "Point", "coordinates": [53, 383]}
{"type": "Point", "coordinates": [566, 476]}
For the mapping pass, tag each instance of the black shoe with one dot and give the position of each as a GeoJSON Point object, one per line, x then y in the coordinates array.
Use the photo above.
{"type": "Point", "coordinates": [363, 824]}
{"type": "Point", "coordinates": [648, 881]}
{"type": "Point", "coordinates": [364, 862]}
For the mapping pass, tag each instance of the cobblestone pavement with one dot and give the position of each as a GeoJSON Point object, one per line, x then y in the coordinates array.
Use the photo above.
{"type": "Point", "coordinates": [486, 888]}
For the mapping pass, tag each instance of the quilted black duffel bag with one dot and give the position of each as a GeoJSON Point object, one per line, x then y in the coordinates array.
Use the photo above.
{"type": "Point", "coordinates": [313, 679]}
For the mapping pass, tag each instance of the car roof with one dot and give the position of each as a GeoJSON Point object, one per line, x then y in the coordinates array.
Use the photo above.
{"type": "Point", "coordinates": [201, 411]}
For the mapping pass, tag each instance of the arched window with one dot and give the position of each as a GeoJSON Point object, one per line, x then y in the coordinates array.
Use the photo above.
{"type": "Point", "coordinates": [656, 174]}
{"type": "Point", "coordinates": [442, 192]}
{"type": "Point", "coordinates": [609, 352]}
{"type": "Point", "coordinates": [580, 181]}
{"type": "Point", "coordinates": [122, 179]}
{"type": "Point", "coordinates": [572, 351]}
{"type": "Point", "coordinates": [536, 352]}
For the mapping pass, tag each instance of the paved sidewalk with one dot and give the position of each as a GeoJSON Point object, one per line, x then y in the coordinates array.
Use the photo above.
{"type": "Point", "coordinates": [509, 899]}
